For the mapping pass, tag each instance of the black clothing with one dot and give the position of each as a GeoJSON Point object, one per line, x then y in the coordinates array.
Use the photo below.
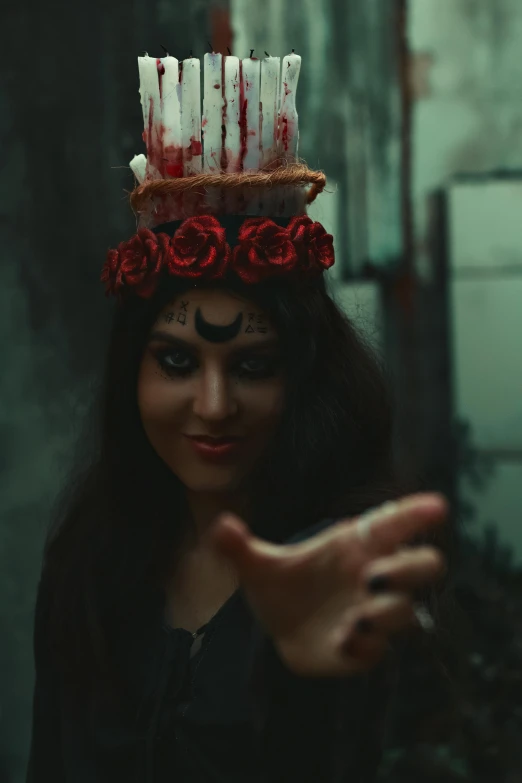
{"type": "Point", "coordinates": [208, 708]}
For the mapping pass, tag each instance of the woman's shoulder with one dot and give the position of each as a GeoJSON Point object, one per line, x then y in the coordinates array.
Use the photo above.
{"type": "Point", "coordinates": [42, 612]}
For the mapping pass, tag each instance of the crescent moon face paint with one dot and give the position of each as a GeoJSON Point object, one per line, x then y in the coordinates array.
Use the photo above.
{"type": "Point", "coordinates": [213, 333]}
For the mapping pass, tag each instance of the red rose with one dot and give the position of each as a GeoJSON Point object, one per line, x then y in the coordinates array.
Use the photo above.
{"type": "Point", "coordinates": [136, 263]}
{"type": "Point", "coordinates": [314, 245]}
{"type": "Point", "coordinates": [264, 249]}
{"type": "Point", "coordinates": [199, 247]}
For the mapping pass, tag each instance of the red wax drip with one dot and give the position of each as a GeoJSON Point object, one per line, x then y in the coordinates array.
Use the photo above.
{"type": "Point", "coordinates": [149, 129]}
{"type": "Point", "coordinates": [153, 137]}
{"type": "Point", "coordinates": [174, 161]}
{"type": "Point", "coordinates": [223, 119]}
{"type": "Point", "coordinates": [243, 103]}
{"type": "Point", "coordinates": [284, 134]}
{"type": "Point", "coordinates": [161, 71]}
{"type": "Point", "coordinates": [195, 148]}
{"type": "Point", "coordinates": [261, 128]}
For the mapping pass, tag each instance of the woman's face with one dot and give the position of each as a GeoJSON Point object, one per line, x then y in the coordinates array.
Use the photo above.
{"type": "Point", "coordinates": [210, 388]}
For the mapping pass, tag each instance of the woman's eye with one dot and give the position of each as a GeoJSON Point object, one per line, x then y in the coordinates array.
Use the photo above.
{"type": "Point", "coordinates": [258, 367]}
{"type": "Point", "coordinates": [175, 361]}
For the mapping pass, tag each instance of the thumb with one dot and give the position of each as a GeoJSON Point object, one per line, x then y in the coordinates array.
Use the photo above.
{"type": "Point", "coordinates": [231, 537]}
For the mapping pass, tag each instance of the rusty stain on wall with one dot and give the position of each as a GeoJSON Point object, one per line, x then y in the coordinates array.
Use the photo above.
{"type": "Point", "coordinates": [419, 67]}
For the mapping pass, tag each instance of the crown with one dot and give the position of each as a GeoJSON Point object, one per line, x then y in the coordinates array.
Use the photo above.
{"type": "Point", "coordinates": [220, 191]}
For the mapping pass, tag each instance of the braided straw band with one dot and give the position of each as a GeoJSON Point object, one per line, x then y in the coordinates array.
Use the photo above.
{"type": "Point", "coordinates": [294, 174]}
{"type": "Point", "coordinates": [202, 247]}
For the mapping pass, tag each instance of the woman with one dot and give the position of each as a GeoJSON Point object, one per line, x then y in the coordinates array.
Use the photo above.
{"type": "Point", "coordinates": [169, 645]}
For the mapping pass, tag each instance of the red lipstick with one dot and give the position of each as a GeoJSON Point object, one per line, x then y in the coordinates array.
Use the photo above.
{"type": "Point", "coordinates": [214, 448]}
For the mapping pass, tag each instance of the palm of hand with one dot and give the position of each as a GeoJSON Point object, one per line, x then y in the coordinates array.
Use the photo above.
{"type": "Point", "coordinates": [308, 597]}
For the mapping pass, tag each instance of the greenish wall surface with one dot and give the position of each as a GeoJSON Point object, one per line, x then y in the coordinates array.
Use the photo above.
{"type": "Point", "coordinates": [70, 121]}
{"type": "Point", "coordinates": [466, 71]}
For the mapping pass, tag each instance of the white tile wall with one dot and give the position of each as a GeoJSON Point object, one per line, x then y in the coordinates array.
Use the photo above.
{"type": "Point", "coordinates": [500, 504]}
{"type": "Point", "coordinates": [485, 234]}
{"type": "Point", "coordinates": [487, 358]}
{"type": "Point", "coordinates": [486, 226]}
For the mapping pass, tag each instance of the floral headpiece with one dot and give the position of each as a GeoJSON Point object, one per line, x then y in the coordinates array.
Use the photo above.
{"type": "Point", "coordinates": [198, 249]}
{"type": "Point", "coordinates": [207, 184]}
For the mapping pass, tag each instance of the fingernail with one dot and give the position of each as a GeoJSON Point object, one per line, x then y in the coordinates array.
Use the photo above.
{"type": "Point", "coordinates": [378, 512]}
{"type": "Point", "coordinates": [348, 647]}
{"type": "Point", "coordinates": [363, 625]}
{"type": "Point", "coordinates": [378, 583]}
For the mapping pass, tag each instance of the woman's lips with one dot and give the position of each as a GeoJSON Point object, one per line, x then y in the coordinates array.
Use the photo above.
{"type": "Point", "coordinates": [214, 448]}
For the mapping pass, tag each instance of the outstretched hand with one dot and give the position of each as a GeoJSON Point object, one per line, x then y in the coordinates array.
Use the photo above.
{"type": "Point", "coordinates": [315, 598]}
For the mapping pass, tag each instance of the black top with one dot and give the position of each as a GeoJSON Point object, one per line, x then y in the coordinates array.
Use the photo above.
{"type": "Point", "coordinates": [209, 707]}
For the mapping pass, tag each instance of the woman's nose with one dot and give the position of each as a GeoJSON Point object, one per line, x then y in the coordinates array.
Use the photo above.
{"type": "Point", "coordinates": [214, 400]}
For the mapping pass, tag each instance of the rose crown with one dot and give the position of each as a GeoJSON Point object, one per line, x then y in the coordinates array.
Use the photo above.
{"type": "Point", "coordinates": [198, 250]}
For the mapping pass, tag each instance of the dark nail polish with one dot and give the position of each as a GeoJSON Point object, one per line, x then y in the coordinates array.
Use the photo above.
{"type": "Point", "coordinates": [348, 647]}
{"type": "Point", "coordinates": [378, 583]}
{"type": "Point", "coordinates": [364, 625]}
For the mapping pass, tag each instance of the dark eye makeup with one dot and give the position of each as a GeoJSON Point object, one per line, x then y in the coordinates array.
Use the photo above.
{"type": "Point", "coordinates": [179, 363]}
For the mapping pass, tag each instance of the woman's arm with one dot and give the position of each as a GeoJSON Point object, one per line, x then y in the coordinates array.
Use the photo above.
{"type": "Point", "coordinates": [328, 729]}
{"type": "Point", "coordinates": [45, 757]}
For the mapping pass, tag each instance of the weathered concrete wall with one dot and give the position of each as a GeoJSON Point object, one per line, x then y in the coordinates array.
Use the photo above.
{"type": "Point", "coordinates": [466, 74]}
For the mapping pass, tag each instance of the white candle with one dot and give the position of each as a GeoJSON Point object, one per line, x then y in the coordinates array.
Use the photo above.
{"type": "Point", "coordinates": [270, 70]}
{"type": "Point", "coordinates": [191, 130]}
{"type": "Point", "coordinates": [250, 127]}
{"type": "Point", "coordinates": [170, 88]}
{"type": "Point", "coordinates": [251, 75]}
{"type": "Point", "coordinates": [292, 200]}
{"type": "Point", "coordinates": [288, 121]}
{"type": "Point", "coordinates": [151, 106]}
{"type": "Point", "coordinates": [212, 112]}
{"type": "Point", "coordinates": [270, 74]}
{"type": "Point", "coordinates": [139, 167]}
{"type": "Point", "coordinates": [191, 116]}
{"type": "Point", "coordinates": [232, 114]}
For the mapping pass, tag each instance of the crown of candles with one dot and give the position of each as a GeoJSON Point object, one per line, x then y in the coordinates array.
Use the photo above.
{"type": "Point", "coordinates": [248, 123]}
{"type": "Point", "coordinates": [237, 157]}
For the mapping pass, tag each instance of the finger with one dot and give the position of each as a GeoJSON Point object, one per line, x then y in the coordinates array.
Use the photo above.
{"type": "Point", "coordinates": [406, 570]}
{"type": "Point", "coordinates": [384, 615]}
{"type": "Point", "coordinates": [228, 533]}
{"type": "Point", "coordinates": [364, 650]}
{"type": "Point", "coordinates": [399, 522]}
{"type": "Point", "coordinates": [231, 537]}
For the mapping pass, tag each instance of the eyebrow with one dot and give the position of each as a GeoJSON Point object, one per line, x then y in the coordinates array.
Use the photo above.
{"type": "Point", "coordinates": [178, 342]}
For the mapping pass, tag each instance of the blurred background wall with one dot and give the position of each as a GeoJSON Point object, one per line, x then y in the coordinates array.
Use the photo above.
{"type": "Point", "coordinates": [466, 72]}
{"type": "Point", "coordinates": [414, 111]}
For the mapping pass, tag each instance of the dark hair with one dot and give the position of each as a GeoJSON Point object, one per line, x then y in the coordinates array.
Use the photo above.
{"type": "Point", "coordinates": [116, 536]}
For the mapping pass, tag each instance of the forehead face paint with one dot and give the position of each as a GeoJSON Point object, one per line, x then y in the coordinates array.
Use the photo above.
{"type": "Point", "coordinates": [213, 333]}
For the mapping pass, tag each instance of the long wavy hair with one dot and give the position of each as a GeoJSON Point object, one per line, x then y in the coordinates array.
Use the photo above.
{"type": "Point", "coordinates": [121, 517]}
